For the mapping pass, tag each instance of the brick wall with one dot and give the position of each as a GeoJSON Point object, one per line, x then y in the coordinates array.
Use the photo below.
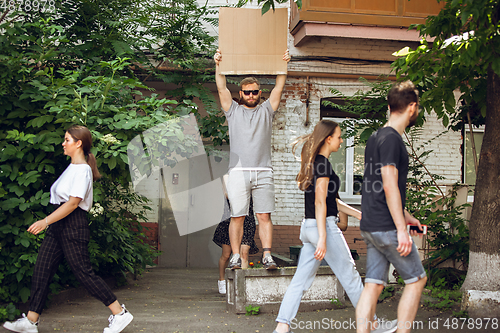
{"type": "Point", "coordinates": [446, 156]}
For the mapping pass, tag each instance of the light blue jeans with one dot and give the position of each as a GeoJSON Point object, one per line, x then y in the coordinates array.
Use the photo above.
{"type": "Point", "coordinates": [338, 256]}
{"type": "Point", "coordinates": [381, 249]}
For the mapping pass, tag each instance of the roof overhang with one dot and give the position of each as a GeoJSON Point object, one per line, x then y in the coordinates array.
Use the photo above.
{"type": "Point", "coordinates": [305, 30]}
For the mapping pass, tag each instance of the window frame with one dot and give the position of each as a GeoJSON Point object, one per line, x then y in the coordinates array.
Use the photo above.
{"type": "Point", "coordinates": [348, 196]}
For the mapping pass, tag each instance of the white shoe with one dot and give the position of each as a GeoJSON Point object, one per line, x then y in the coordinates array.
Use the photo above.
{"type": "Point", "coordinates": [268, 262]}
{"type": "Point", "coordinates": [118, 322]}
{"type": "Point", "coordinates": [385, 326]}
{"type": "Point", "coordinates": [22, 325]}
{"type": "Point", "coordinates": [222, 286]}
{"type": "Point", "coordinates": [234, 262]}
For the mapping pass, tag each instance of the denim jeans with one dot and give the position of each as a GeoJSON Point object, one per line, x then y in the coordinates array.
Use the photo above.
{"type": "Point", "coordinates": [338, 256]}
{"type": "Point", "coordinates": [381, 247]}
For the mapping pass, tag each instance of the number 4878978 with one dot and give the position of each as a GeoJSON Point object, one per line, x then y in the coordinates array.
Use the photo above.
{"type": "Point", "coordinates": [28, 5]}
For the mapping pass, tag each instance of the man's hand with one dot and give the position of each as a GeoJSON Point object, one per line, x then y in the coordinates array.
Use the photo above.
{"type": "Point", "coordinates": [275, 96]}
{"type": "Point", "coordinates": [404, 243]}
{"type": "Point", "coordinates": [220, 81]}
{"type": "Point", "coordinates": [218, 57]}
{"type": "Point", "coordinates": [411, 220]}
{"type": "Point", "coordinates": [286, 56]}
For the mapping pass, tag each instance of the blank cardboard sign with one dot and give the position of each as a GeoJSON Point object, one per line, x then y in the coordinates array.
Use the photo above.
{"type": "Point", "coordinates": [252, 43]}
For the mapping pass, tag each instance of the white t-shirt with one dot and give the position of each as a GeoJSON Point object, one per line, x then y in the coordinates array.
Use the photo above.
{"type": "Point", "coordinates": [75, 181]}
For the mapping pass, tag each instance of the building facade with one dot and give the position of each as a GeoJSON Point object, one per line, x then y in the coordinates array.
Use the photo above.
{"type": "Point", "coordinates": [333, 44]}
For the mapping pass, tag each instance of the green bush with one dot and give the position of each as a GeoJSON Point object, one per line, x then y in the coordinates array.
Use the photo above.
{"type": "Point", "coordinates": [8, 312]}
{"type": "Point", "coordinates": [447, 295]}
{"type": "Point", "coordinates": [386, 293]}
{"type": "Point", "coordinates": [37, 104]}
{"type": "Point", "coordinates": [46, 85]}
{"type": "Point", "coordinates": [448, 234]}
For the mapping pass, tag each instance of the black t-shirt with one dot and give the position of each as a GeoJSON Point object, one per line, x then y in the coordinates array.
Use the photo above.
{"type": "Point", "coordinates": [384, 147]}
{"type": "Point", "coordinates": [322, 168]}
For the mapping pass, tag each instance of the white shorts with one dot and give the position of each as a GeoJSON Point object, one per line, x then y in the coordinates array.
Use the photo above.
{"type": "Point", "coordinates": [242, 184]}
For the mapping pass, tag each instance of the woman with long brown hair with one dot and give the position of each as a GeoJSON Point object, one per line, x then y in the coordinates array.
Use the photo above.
{"type": "Point", "coordinates": [319, 232]}
{"type": "Point", "coordinates": [68, 236]}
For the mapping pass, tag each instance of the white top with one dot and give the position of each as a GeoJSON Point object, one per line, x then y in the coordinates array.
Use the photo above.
{"type": "Point", "coordinates": [75, 181]}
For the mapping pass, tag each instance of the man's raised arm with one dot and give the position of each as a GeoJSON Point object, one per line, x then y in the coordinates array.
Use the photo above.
{"type": "Point", "coordinates": [220, 81]}
{"type": "Point", "coordinates": [275, 97]}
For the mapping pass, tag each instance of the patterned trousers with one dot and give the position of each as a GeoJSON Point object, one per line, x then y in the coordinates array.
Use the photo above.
{"type": "Point", "coordinates": [67, 238]}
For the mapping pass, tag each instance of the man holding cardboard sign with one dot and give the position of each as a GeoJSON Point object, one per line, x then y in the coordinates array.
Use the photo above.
{"type": "Point", "coordinates": [250, 170]}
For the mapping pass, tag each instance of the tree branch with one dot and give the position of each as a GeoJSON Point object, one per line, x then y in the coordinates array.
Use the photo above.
{"type": "Point", "coordinates": [4, 15]}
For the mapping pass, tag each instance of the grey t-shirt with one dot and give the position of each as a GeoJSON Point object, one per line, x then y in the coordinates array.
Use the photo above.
{"type": "Point", "coordinates": [250, 135]}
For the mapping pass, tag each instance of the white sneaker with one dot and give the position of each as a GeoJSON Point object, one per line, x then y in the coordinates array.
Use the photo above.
{"type": "Point", "coordinates": [118, 322]}
{"type": "Point", "coordinates": [22, 325]}
{"type": "Point", "coordinates": [235, 262]}
{"type": "Point", "coordinates": [222, 286]}
{"type": "Point", "coordinates": [268, 262]}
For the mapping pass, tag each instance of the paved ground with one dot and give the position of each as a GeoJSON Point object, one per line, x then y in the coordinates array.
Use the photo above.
{"type": "Point", "coordinates": [187, 300]}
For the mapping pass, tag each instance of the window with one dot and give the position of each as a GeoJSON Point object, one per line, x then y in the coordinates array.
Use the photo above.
{"type": "Point", "coordinates": [348, 164]}
{"type": "Point", "coordinates": [469, 170]}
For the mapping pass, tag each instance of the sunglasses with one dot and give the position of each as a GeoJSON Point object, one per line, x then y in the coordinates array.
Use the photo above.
{"type": "Point", "coordinates": [253, 92]}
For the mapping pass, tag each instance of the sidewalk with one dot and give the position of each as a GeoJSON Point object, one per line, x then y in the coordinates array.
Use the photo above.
{"type": "Point", "coordinates": [187, 300]}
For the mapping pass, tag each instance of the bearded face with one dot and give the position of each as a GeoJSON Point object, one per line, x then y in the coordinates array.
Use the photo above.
{"type": "Point", "coordinates": [250, 95]}
{"type": "Point", "coordinates": [414, 116]}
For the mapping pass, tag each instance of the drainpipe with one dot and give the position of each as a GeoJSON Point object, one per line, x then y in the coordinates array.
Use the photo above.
{"type": "Point", "coordinates": [306, 124]}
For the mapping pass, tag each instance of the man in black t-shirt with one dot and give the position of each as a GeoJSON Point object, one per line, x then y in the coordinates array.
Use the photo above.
{"type": "Point", "coordinates": [384, 219]}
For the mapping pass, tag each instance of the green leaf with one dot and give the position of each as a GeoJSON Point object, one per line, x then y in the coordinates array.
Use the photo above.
{"type": "Point", "coordinates": [17, 190]}
{"type": "Point", "coordinates": [6, 229]}
{"type": "Point", "coordinates": [9, 150]}
{"type": "Point", "coordinates": [446, 120]}
{"type": "Point", "coordinates": [483, 110]}
{"type": "Point", "coordinates": [49, 168]}
{"type": "Point", "coordinates": [25, 242]}
{"type": "Point", "coordinates": [11, 203]}
{"type": "Point", "coordinates": [179, 134]}
{"type": "Point", "coordinates": [112, 162]}
{"type": "Point", "coordinates": [124, 158]}
{"type": "Point", "coordinates": [45, 201]}
{"type": "Point", "coordinates": [24, 206]}
{"type": "Point", "coordinates": [266, 6]}
{"type": "Point", "coordinates": [25, 294]}
{"type": "Point", "coordinates": [365, 135]}
{"type": "Point", "coordinates": [403, 52]}
{"type": "Point", "coordinates": [29, 178]}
